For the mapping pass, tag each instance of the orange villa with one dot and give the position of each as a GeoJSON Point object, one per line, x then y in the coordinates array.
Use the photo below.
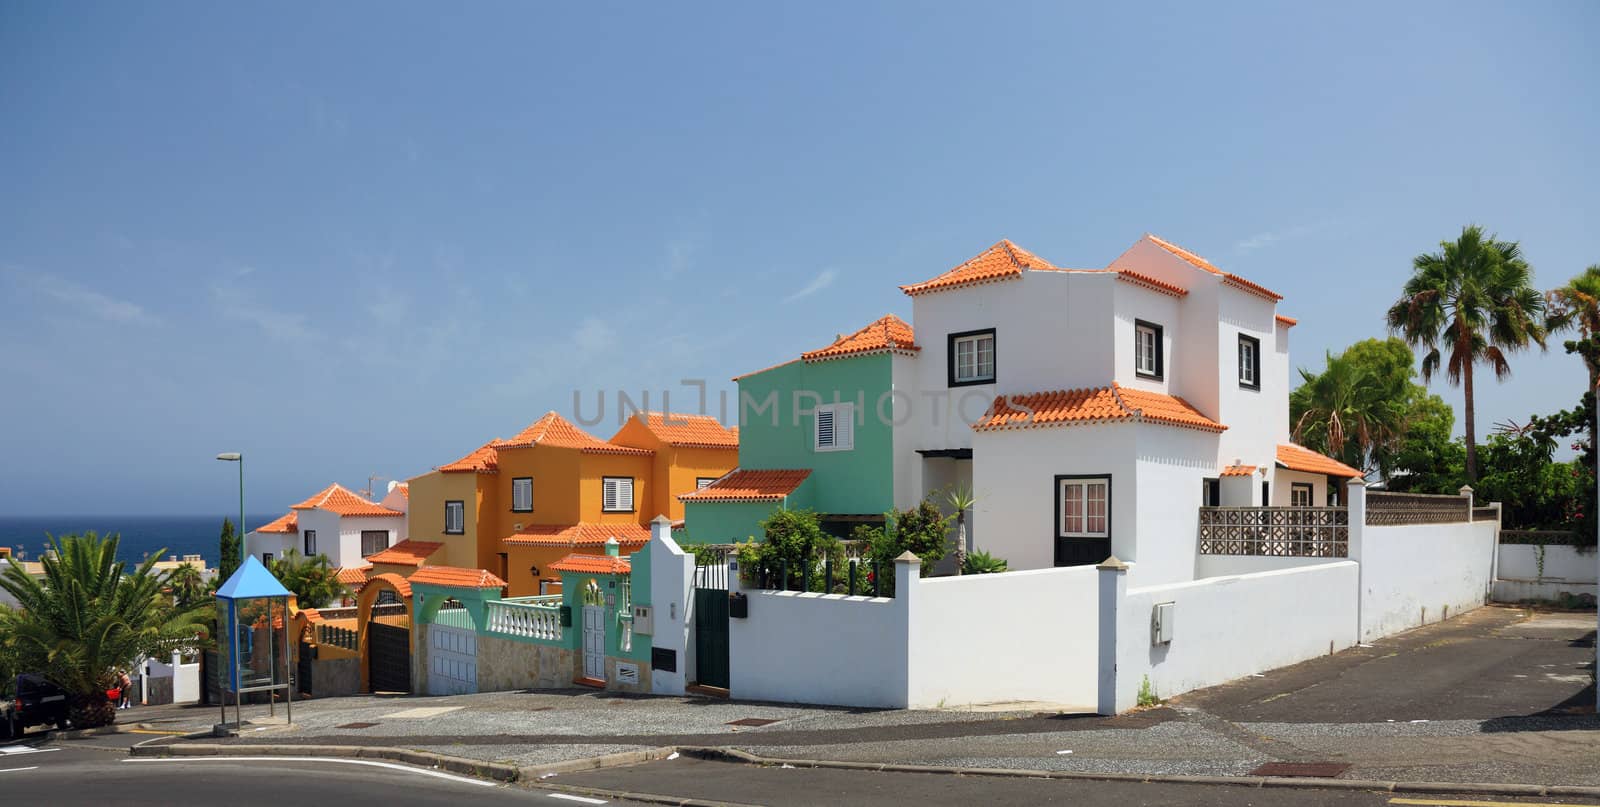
{"type": "Point", "coordinates": [515, 507]}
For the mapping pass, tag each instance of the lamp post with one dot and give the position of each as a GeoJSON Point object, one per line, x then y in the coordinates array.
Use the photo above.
{"type": "Point", "coordinates": [244, 545]}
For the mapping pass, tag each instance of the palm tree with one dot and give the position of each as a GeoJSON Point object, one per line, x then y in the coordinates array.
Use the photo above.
{"type": "Point", "coordinates": [188, 586]}
{"type": "Point", "coordinates": [1350, 410]}
{"type": "Point", "coordinates": [961, 500]}
{"type": "Point", "coordinates": [89, 617]}
{"type": "Point", "coordinates": [1577, 304]}
{"type": "Point", "coordinates": [1475, 299]}
{"type": "Point", "coordinates": [314, 581]}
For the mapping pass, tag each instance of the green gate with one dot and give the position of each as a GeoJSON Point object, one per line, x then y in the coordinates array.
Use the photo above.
{"type": "Point", "coordinates": [711, 621]}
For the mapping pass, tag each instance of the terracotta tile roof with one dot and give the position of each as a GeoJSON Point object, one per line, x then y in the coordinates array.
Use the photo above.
{"type": "Point", "coordinates": [741, 485]}
{"type": "Point", "coordinates": [555, 431]}
{"type": "Point", "coordinates": [339, 499]}
{"type": "Point", "coordinates": [582, 534]}
{"type": "Point", "coordinates": [455, 577]}
{"type": "Point", "coordinates": [1150, 283]}
{"type": "Point", "coordinates": [1202, 263]}
{"type": "Point", "coordinates": [399, 583]}
{"type": "Point", "coordinates": [889, 334]}
{"type": "Point", "coordinates": [313, 616]}
{"type": "Point", "coordinates": [483, 460]}
{"type": "Point", "coordinates": [405, 490]}
{"type": "Point", "coordinates": [1071, 407]}
{"type": "Point", "coordinates": [283, 524]}
{"type": "Point", "coordinates": [355, 576]}
{"type": "Point", "coordinates": [1289, 322]}
{"type": "Point", "coordinates": [406, 553]}
{"type": "Point", "coordinates": [1239, 470]}
{"type": "Point", "coordinates": [1299, 458]}
{"type": "Point", "coordinates": [735, 431]}
{"type": "Point", "coordinates": [689, 431]}
{"type": "Point", "coordinates": [1002, 261]}
{"type": "Point", "coordinates": [592, 564]}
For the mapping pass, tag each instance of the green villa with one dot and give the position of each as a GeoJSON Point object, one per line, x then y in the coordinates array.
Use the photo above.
{"type": "Point", "coordinates": [816, 432]}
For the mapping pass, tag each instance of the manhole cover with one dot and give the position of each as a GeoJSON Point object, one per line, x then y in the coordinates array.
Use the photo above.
{"type": "Point", "coordinates": [751, 721]}
{"type": "Point", "coordinates": [1321, 770]}
{"type": "Point", "coordinates": [356, 726]}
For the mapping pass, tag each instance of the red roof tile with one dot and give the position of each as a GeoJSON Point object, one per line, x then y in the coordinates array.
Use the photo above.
{"type": "Point", "coordinates": [889, 334]}
{"type": "Point", "coordinates": [405, 490]}
{"type": "Point", "coordinates": [483, 460]}
{"type": "Point", "coordinates": [1150, 283]}
{"type": "Point", "coordinates": [399, 583]}
{"type": "Point", "coordinates": [355, 576]}
{"type": "Point", "coordinates": [1238, 470]}
{"type": "Point", "coordinates": [741, 485]}
{"type": "Point", "coordinates": [1299, 458]}
{"type": "Point", "coordinates": [1289, 322]}
{"type": "Point", "coordinates": [455, 577]}
{"type": "Point", "coordinates": [1202, 263]}
{"type": "Point", "coordinates": [339, 499]}
{"type": "Point", "coordinates": [575, 535]}
{"type": "Point", "coordinates": [555, 431]}
{"type": "Point", "coordinates": [1002, 261]}
{"type": "Point", "coordinates": [688, 431]}
{"type": "Point", "coordinates": [592, 564]}
{"type": "Point", "coordinates": [406, 553]}
{"type": "Point", "coordinates": [1071, 407]}
{"type": "Point", "coordinates": [283, 524]}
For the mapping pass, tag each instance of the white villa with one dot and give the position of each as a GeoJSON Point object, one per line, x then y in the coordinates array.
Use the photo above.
{"type": "Point", "coordinates": [339, 523]}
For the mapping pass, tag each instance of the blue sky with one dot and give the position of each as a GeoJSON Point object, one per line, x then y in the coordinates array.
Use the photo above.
{"type": "Point", "coordinates": [363, 238]}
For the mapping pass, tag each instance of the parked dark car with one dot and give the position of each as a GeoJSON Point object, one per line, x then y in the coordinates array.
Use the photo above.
{"type": "Point", "coordinates": [37, 703]}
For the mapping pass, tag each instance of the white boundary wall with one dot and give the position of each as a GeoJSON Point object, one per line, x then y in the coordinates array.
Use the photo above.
{"type": "Point", "coordinates": [815, 648]}
{"type": "Point", "coordinates": [672, 592]}
{"type": "Point", "coordinates": [1229, 627]}
{"type": "Point", "coordinates": [1417, 574]}
{"type": "Point", "coordinates": [1566, 570]}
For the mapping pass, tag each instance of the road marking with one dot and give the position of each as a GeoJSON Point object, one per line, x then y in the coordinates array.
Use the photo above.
{"type": "Point", "coordinates": [1460, 803]}
{"type": "Point", "coordinates": [570, 797]}
{"type": "Point", "coordinates": [15, 750]}
{"type": "Point", "coordinates": [421, 711]}
{"type": "Point", "coordinates": [153, 731]}
{"type": "Point", "coordinates": [369, 762]}
{"type": "Point", "coordinates": [14, 770]}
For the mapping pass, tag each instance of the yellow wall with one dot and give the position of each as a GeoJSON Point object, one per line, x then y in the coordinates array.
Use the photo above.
{"type": "Point", "coordinates": [425, 516]}
{"type": "Point", "coordinates": [595, 467]}
{"type": "Point", "coordinates": [555, 488]}
{"type": "Point", "coordinates": [520, 581]}
{"type": "Point", "coordinates": [674, 470]}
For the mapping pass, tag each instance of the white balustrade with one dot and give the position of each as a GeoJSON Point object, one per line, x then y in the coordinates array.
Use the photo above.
{"type": "Point", "coordinates": [525, 620]}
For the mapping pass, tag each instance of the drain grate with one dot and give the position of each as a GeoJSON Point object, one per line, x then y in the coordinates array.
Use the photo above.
{"type": "Point", "coordinates": [751, 721]}
{"type": "Point", "coordinates": [1321, 770]}
{"type": "Point", "coordinates": [356, 726]}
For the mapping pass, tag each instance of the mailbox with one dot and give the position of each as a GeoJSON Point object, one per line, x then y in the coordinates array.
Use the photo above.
{"type": "Point", "coordinates": [643, 620]}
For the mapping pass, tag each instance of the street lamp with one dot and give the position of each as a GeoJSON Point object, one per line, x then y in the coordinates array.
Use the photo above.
{"type": "Point", "coordinates": [244, 541]}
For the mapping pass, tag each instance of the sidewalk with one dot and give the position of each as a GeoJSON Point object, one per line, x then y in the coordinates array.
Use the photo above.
{"type": "Point", "coordinates": [1499, 695]}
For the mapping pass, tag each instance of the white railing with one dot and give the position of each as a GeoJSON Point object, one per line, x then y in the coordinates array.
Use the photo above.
{"type": "Point", "coordinates": [525, 620]}
{"type": "Point", "coordinates": [537, 599]}
{"type": "Point", "coordinates": [1293, 532]}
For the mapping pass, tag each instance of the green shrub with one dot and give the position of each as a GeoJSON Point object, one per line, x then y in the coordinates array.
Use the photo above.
{"type": "Point", "coordinates": [794, 545]}
{"type": "Point", "coordinates": [1147, 693]}
{"type": "Point", "coordinates": [980, 562]}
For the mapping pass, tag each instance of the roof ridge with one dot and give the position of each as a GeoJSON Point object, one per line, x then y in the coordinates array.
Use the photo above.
{"type": "Point", "coordinates": [1116, 393]}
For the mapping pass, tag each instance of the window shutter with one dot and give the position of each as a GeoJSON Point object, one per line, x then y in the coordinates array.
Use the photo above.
{"type": "Point", "coordinates": [825, 428]}
{"type": "Point", "coordinates": [844, 427]}
{"type": "Point", "coordinates": [624, 494]}
{"type": "Point", "coordinates": [608, 494]}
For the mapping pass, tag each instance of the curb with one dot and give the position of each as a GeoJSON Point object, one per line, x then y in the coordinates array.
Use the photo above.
{"type": "Point", "coordinates": [1478, 788]}
{"type": "Point", "coordinates": [99, 731]}
{"type": "Point", "coordinates": [467, 767]}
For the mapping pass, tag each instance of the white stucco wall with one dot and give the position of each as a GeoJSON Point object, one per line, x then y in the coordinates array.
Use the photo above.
{"type": "Point", "coordinates": [1226, 628]}
{"type": "Point", "coordinates": [1566, 571]}
{"type": "Point", "coordinates": [1284, 480]}
{"type": "Point", "coordinates": [811, 648]}
{"type": "Point", "coordinates": [1171, 465]}
{"type": "Point", "coordinates": [1419, 574]}
{"type": "Point", "coordinates": [903, 430]}
{"type": "Point", "coordinates": [349, 548]}
{"type": "Point", "coordinates": [671, 594]}
{"type": "Point", "coordinates": [263, 543]}
{"type": "Point", "coordinates": [1134, 303]}
{"type": "Point", "coordinates": [1018, 636]}
{"type": "Point", "coordinates": [1225, 565]}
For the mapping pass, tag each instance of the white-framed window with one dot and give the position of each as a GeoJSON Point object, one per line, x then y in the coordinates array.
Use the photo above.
{"type": "Point", "coordinates": [310, 543]}
{"type": "Point", "coordinates": [1147, 353]}
{"type": "Point", "coordinates": [455, 517]}
{"type": "Point", "coordinates": [1300, 494]}
{"type": "Point", "coordinates": [703, 482]}
{"type": "Point", "coordinates": [522, 494]}
{"type": "Point", "coordinates": [971, 357]}
{"type": "Point", "coordinates": [835, 427]}
{"type": "Point", "coordinates": [616, 494]}
{"type": "Point", "coordinates": [374, 541]}
{"type": "Point", "coordinates": [1249, 362]}
{"type": "Point", "coordinates": [1085, 508]}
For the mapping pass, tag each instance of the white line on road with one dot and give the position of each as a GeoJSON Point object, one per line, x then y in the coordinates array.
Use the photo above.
{"type": "Point", "coordinates": [14, 770]}
{"type": "Point", "coordinates": [369, 762]}
{"type": "Point", "coordinates": [570, 797]}
{"type": "Point", "coordinates": [17, 750]}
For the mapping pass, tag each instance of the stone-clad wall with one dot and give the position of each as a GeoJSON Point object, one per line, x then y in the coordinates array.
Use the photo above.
{"type": "Point", "coordinates": [509, 664]}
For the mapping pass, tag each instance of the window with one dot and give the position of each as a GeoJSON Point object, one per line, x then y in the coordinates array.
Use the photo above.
{"type": "Point", "coordinates": [374, 541]}
{"type": "Point", "coordinates": [522, 494]}
{"type": "Point", "coordinates": [1211, 492]}
{"type": "Point", "coordinates": [835, 427]}
{"type": "Point", "coordinates": [1249, 362]}
{"type": "Point", "coordinates": [616, 494]}
{"type": "Point", "coordinates": [971, 357]}
{"type": "Point", "coordinates": [455, 517]}
{"type": "Point", "coordinates": [703, 482]}
{"type": "Point", "coordinates": [310, 543]}
{"type": "Point", "coordinates": [1083, 507]}
{"type": "Point", "coordinates": [1300, 494]}
{"type": "Point", "coordinates": [266, 558]}
{"type": "Point", "coordinates": [1148, 358]}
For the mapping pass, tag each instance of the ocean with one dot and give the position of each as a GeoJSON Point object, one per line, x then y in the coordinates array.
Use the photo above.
{"type": "Point", "coordinates": [141, 535]}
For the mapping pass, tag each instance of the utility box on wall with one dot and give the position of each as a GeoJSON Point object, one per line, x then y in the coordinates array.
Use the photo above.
{"type": "Point", "coordinates": [643, 620]}
{"type": "Point", "coordinates": [1161, 623]}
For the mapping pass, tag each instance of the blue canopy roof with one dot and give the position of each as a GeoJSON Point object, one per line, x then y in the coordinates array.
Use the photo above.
{"type": "Point", "coordinates": [251, 580]}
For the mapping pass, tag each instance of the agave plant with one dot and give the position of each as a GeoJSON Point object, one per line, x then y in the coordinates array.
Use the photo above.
{"type": "Point", "coordinates": [89, 617]}
{"type": "Point", "coordinates": [981, 562]}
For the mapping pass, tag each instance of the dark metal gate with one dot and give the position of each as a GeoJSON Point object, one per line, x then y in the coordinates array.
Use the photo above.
{"type": "Point", "coordinates": [302, 671]}
{"type": "Point", "coordinates": [711, 619]}
{"type": "Point", "coordinates": [388, 658]}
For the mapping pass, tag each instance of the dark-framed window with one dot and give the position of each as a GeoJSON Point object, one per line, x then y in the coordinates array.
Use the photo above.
{"type": "Point", "coordinates": [1249, 362]}
{"type": "Point", "coordinates": [522, 494]}
{"type": "Point", "coordinates": [1300, 494]}
{"type": "Point", "coordinates": [1266, 495]}
{"type": "Point", "coordinates": [1211, 492]}
{"type": "Point", "coordinates": [1083, 506]}
{"type": "Point", "coordinates": [266, 559]}
{"type": "Point", "coordinates": [971, 357]}
{"type": "Point", "coordinates": [1149, 352]}
{"type": "Point", "coordinates": [616, 494]}
{"type": "Point", "coordinates": [374, 541]}
{"type": "Point", "coordinates": [310, 541]}
{"type": "Point", "coordinates": [455, 517]}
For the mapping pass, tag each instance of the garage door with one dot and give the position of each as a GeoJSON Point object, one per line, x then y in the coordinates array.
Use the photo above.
{"type": "Point", "coordinates": [452, 660]}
